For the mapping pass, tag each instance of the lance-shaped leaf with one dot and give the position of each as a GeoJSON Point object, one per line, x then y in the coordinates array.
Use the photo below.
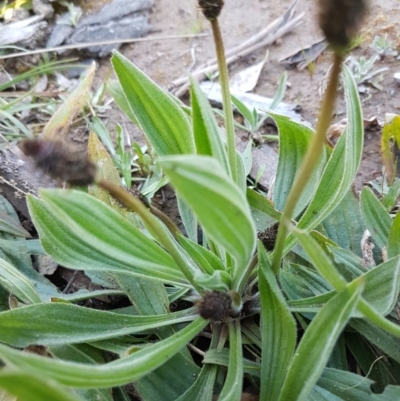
{"type": "Point", "coordinates": [341, 385]}
{"type": "Point", "coordinates": [162, 120]}
{"type": "Point", "coordinates": [376, 217]}
{"type": "Point", "coordinates": [59, 323]}
{"type": "Point", "coordinates": [219, 204]}
{"type": "Point", "coordinates": [17, 284]}
{"type": "Point", "coordinates": [232, 389]}
{"type": "Point", "coordinates": [34, 388]}
{"type": "Point", "coordinates": [278, 330]}
{"type": "Point", "coordinates": [316, 346]}
{"type": "Point", "coordinates": [59, 123]}
{"type": "Point", "coordinates": [207, 134]}
{"type": "Point", "coordinates": [394, 238]}
{"type": "Point", "coordinates": [294, 140]}
{"type": "Point", "coordinates": [80, 232]}
{"type": "Point", "coordinates": [341, 167]}
{"type": "Point", "coordinates": [116, 373]}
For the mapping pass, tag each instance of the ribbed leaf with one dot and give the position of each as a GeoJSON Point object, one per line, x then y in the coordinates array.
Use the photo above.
{"type": "Point", "coordinates": [202, 389]}
{"type": "Point", "coordinates": [80, 232]}
{"type": "Point", "coordinates": [317, 343]}
{"type": "Point", "coordinates": [219, 204]}
{"type": "Point", "coordinates": [33, 388]}
{"type": "Point", "coordinates": [345, 386]}
{"type": "Point", "coordinates": [60, 323]}
{"type": "Point", "coordinates": [207, 134]}
{"type": "Point", "coordinates": [9, 222]}
{"type": "Point", "coordinates": [118, 94]}
{"type": "Point", "coordinates": [341, 167]}
{"type": "Point", "coordinates": [162, 120]}
{"type": "Point", "coordinates": [278, 329]}
{"type": "Point", "coordinates": [17, 284]}
{"type": "Point", "coordinates": [116, 373]}
{"type": "Point", "coordinates": [344, 225]}
{"type": "Point", "coordinates": [376, 217]}
{"type": "Point", "coordinates": [263, 211]}
{"type": "Point", "coordinates": [294, 140]}
{"type": "Point", "coordinates": [205, 259]}
{"type": "Point", "coordinates": [232, 389]}
{"type": "Point", "coordinates": [60, 121]}
{"type": "Point", "coordinates": [393, 248]}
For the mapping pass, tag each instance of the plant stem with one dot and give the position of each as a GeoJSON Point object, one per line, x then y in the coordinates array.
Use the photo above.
{"type": "Point", "coordinates": [226, 98]}
{"type": "Point", "coordinates": [310, 160]}
{"type": "Point", "coordinates": [152, 224]}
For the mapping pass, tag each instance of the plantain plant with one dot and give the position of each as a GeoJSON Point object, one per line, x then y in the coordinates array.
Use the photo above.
{"type": "Point", "coordinates": [278, 297]}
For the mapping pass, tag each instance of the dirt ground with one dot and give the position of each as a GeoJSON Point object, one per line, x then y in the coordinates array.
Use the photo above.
{"type": "Point", "coordinates": [166, 60]}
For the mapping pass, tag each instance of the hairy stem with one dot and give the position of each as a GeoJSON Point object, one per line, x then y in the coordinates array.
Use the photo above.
{"type": "Point", "coordinates": [226, 97]}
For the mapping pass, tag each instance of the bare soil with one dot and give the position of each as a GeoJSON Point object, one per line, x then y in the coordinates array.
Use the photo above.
{"type": "Point", "coordinates": [166, 60]}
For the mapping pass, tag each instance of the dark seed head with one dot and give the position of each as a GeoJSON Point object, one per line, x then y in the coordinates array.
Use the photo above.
{"type": "Point", "coordinates": [268, 237]}
{"type": "Point", "coordinates": [340, 19]}
{"type": "Point", "coordinates": [60, 161]}
{"type": "Point", "coordinates": [215, 305]}
{"type": "Point", "coordinates": [211, 8]}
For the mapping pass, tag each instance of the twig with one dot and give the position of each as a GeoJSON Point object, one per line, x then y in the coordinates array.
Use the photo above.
{"type": "Point", "coordinates": [201, 74]}
{"type": "Point", "coordinates": [270, 29]}
{"type": "Point", "coordinates": [90, 44]}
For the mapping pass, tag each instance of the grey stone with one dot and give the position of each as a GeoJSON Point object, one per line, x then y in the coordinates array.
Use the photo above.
{"type": "Point", "coordinates": [126, 28]}
{"type": "Point", "coordinates": [120, 19]}
{"type": "Point", "coordinates": [42, 7]}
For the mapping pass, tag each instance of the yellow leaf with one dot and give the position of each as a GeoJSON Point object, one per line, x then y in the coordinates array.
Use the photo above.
{"type": "Point", "coordinates": [63, 117]}
{"type": "Point", "coordinates": [391, 130]}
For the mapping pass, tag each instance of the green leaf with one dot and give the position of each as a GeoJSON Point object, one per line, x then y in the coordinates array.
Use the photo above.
{"type": "Point", "coordinates": [280, 92]}
{"type": "Point", "coordinates": [116, 373]}
{"type": "Point", "coordinates": [393, 248]}
{"type": "Point", "coordinates": [17, 284]}
{"type": "Point", "coordinates": [245, 112]}
{"type": "Point", "coordinates": [317, 343]}
{"type": "Point", "coordinates": [376, 217]}
{"type": "Point", "coordinates": [97, 126]}
{"type": "Point", "coordinates": [207, 134]}
{"type": "Point", "coordinates": [204, 259]}
{"type": "Point", "coordinates": [221, 357]}
{"type": "Point", "coordinates": [345, 386]}
{"type": "Point", "coordinates": [202, 389]}
{"type": "Point", "coordinates": [163, 122]}
{"type": "Point", "coordinates": [263, 211]}
{"type": "Point", "coordinates": [382, 285]}
{"type": "Point", "coordinates": [9, 222]}
{"type": "Point", "coordinates": [279, 330]}
{"type": "Point", "coordinates": [341, 167]}
{"type": "Point", "coordinates": [61, 323]}
{"type": "Point", "coordinates": [382, 371]}
{"type": "Point", "coordinates": [247, 157]}
{"type": "Point", "coordinates": [217, 201]}
{"type": "Point", "coordinates": [28, 387]}
{"type": "Point", "coordinates": [80, 232]}
{"type": "Point", "coordinates": [320, 260]}
{"type": "Point", "coordinates": [83, 353]}
{"type": "Point", "coordinates": [26, 247]}
{"type": "Point", "coordinates": [385, 341]}
{"type": "Point", "coordinates": [189, 220]}
{"type": "Point", "coordinates": [118, 94]}
{"type": "Point", "coordinates": [148, 297]}
{"type": "Point", "coordinates": [345, 226]}
{"type": "Point", "coordinates": [232, 389]}
{"type": "Point", "coordinates": [294, 140]}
